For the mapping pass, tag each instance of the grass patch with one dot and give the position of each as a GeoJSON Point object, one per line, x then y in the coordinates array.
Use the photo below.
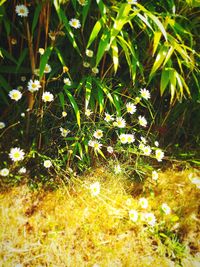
{"type": "Point", "coordinates": [70, 227]}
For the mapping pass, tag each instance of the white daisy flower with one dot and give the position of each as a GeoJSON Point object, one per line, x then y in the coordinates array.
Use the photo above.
{"type": "Point", "coordinates": [131, 108]}
{"type": "Point", "coordinates": [142, 121]}
{"type": "Point", "coordinates": [47, 163]}
{"type": "Point", "coordinates": [108, 117]}
{"type": "Point", "coordinates": [95, 189]}
{"type": "Point", "coordinates": [150, 218]}
{"type": "Point", "coordinates": [165, 208]}
{"type": "Point", "coordinates": [64, 132]}
{"type": "Point", "coordinates": [110, 149]}
{"type": "Point", "coordinates": [41, 51]}
{"type": "Point", "coordinates": [16, 154]}
{"type": "Point", "coordinates": [67, 81]}
{"type": "Point", "coordinates": [22, 170]}
{"type": "Point", "coordinates": [123, 138]}
{"type": "Point", "coordinates": [143, 202]}
{"type": "Point", "coordinates": [130, 138]}
{"type": "Point", "coordinates": [97, 146]}
{"type": "Point", "coordinates": [147, 150]}
{"type": "Point", "coordinates": [21, 10]}
{"type": "Point", "coordinates": [154, 175]}
{"type": "Point", "coordinates": [98, 134]}
{"type": "Point", "coordinates": [23, 78]}
{"type": "Point", "coordinates": [33, 86]}
{"type": "Point", "coordinates": [159, 154]}
{"type": "Point", "coordinates": [91, 143]}
{"type": "Point", "coordinates": [4, 172]}
{"type": "Point", "coordinates": [2, 125]}
{"type": "Point", "coordinates": [120, 122]}
{"type": "Point", "coordinates": [143, 139]}
{"type": "Point", "coordinates": [141, 146]}
{"type": "Point", "coordinates": [64, 114]}
{"type": "Point", "coordinates": [88, 112]}
{"type": "Point", "coordinates": [89, 53]}
{"type": "Point", "coordinates": [156, 143]}
{"type": "Point", "coordinates": [75, 23]}
{"type": "Point", "coordinates": [145, 93]}
{"type": "Point", "coordinates": [117, 169]}
{"type": "Point", "coordinates": [15, 94]}
{"type": "Point", "coordinates": [86, 64]}
{"type": "Point", "coordinates": [47, 97]}
{"type": "Point", "coordinates": [133, 215]}
{"type": "Point", "coordinates": [95, 70]}
{"type": "Point", "coordinates": [47, 68]}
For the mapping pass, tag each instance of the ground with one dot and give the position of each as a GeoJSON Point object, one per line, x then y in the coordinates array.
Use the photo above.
{"type": "Point", "coordinates": [73, 227]}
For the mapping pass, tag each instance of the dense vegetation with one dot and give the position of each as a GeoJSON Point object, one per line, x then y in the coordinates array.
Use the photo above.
{"type": "Point", "coordinates": [86, 84]}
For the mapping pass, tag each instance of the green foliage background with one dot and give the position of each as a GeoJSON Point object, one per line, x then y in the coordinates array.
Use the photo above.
{"type": "Point", "coordinates": [152, 44]}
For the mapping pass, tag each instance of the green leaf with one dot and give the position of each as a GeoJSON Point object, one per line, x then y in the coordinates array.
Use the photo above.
{"type": "Point", "coordinates": [63, 18]}
{"type": "Point", "coordinates": [156, 40]}
{"type": "Point", "coordinates": [115, 55]}
{"type": "Point", "coordinates": [97, 27]}
{"type": "Point", "coordinates": [60, 57]}
{"type": "Point", "coordinates": [5, 84]}
{"type": "Point", "coordinates": [85, 12]}
{"type": "Point", "coordinates": [100, 99]}
{"type": "Point", "coordinates": [62, 99]}
{"type": "Point", "coordinates": [36, 16]}
{"type": "Point", "coordinates": [158, 61]}
{"type": "Point", "coordinates": [8, 55]}
{"type": "Point", "coordinates": [88, 89]}
{"type": "Point", "coordinates": [117, 104]}
{"type": "Point", "coordinates": [102, 7]}
{"type": "Point", "coordinates": [21, 58]}
{"type": "Point", "coordinates": [74, 105]}
{"type": "Point", "coordinates": [103, 45]}
{"type": "Point", "coordinates": [121, 19]}
{"type": "Point", "coordinates": [44, 60]}
{"type": "Point", "coordinates": [164, 80]}
{"type": "Point", "coordinates": [172, 84]}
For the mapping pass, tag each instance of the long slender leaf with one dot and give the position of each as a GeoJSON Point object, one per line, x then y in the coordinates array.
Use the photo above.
{"type": "Point", "coordinates": [88, 90]}
{"type": "Point", "coordinates": [44, 60]}
{"type": "Point", "coordinates": [74, 105]}
{"type": "Point", "coordinates": [103, 45]}
{"type": "Point", "coordinates": [36, 16]}
{"type": "Point", "coordinates": [97, 27]}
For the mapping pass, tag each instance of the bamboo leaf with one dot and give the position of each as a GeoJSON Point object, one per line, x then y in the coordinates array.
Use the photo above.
{"type": "Point", "coordinates": [172, 84]}
{"type": "Point", "coordinates": [115, 55]}
{"type": "Point", "coordinates": [36, 16]}
{"type": "Point", "coordinates": [158, 61]}
{"type": "Point", "coordinates": [100, 99]}
{"type": "Point", "coordinates": [164, 80]}
{"type": "Point", "coordinates": [102, 7]}
{"type": "Point", "coordinates": [44, 60]}
{"type": "Point", "coordinates": [21, 58]}
{"type": "Point", "coordinates": [121, 19]}
{"type": "Point", "coordinates": [97, 27]}
{"type": "Point", "coordinates": [103, 45]}
{"type": "Point", "coordinates": [85, 12]}
{"type": "Point", "coordinates": [88, 89]}
{"type": "Point", "coordinates": [63, 18]}
{"type": "Point", "coordinates": [156, 40]}
{"type": "Point", "coordinates": [117, 104]}
{"type": "Point", "coordinates": [74, 105]}
{"type": "Point", "coordinates": [62, 99]}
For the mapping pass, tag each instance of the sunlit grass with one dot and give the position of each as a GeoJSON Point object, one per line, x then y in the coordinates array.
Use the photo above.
{"type": "Point", "coordinates": [75, 227]}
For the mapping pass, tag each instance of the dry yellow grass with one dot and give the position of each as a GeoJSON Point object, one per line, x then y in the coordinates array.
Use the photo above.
{"type": "Point", "coordinates": [70, 227]}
